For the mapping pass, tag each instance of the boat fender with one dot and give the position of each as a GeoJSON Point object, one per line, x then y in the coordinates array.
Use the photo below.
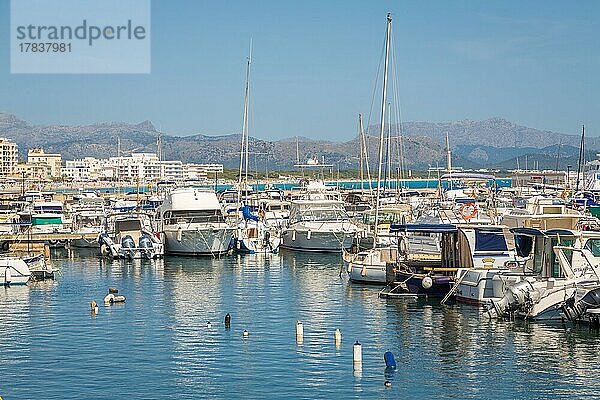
{"type": "Point", "coordinates": [427, 282]}
{"type": "Point", "coordinates": [390, 362]}
{"type": "Point", "coordinates": [308, 235]}
{"type": "Point", "coordinates": [179, 234]}
{"type": "Point", "coordinates": [349, 267]}
{"type": "Point", "coordinates": [293, 235]}
{"type": "Point", "coordinates": [363, 271]}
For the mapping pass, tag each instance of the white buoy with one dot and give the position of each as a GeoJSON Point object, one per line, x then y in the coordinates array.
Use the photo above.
{"type": "Point", "coordinates": [427, 282]}
{"type": "Point", "coordinates": [245, 334]}
{"type": "Point", "coordinates": [209, 325]}
{"type": "Point", "coordinates": [338, 336]}
{"type": "Point", "coordinates": [7, 276]}
{"type": "Point", "coordinates": [299, 329]}
{"type": "Point", "coordinates": [357, 356]}
{"type": "Point", "coordinates": [299, 333]}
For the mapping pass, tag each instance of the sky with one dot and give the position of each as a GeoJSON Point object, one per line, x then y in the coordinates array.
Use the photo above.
{"type": "Point", "coordinates": [535, 63]}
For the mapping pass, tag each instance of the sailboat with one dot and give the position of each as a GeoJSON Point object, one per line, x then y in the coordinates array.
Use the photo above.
{"type": "Point", "coordinates": [369, 265]}
{"type": "Point", "coordinates": [253, 235]}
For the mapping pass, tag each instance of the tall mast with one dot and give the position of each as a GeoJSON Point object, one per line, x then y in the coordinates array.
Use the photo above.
{"type": "Point", "coordinates": [365, 149]}
{"type": "Point", "coordinates": [360, 158]}
{"type": "Point", "coordinates": [388, 151]}
{"type": "Point", "coordinates": [448, 155]}
{"type": "Point", "coordinates": [244, 148]}
{"type": "Point", "coordinates": [581, 157]}
{"type": "Point", "coordinates": [382, 121]}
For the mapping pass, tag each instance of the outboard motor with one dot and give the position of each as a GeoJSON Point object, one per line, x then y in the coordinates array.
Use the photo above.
{"type": "Point", "coordinates": [575, 310]}
{"type": "Point", "coordinates": [127, 242]}
{"type": "Point", "coordinates": [517, 297]}
{"type": "Point", "coordinates": [146, 245]}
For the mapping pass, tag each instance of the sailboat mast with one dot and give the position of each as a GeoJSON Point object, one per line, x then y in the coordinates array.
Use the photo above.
{"type": "Point", "coordinates": [360, 158]}
{"type": "Point", "coordinates": [382, 121]}
{"type": "Point", "coordinates": [244, 146]}
{"type": "Point", "coordinates": [365, 151]}
{"type": "Point", "coordinates": [581, 157]}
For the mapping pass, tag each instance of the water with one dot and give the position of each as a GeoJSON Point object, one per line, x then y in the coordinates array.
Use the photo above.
{"type": "Point", "coordinates": [158, 345]}
{"type": "Point", "coordinates": [405, 183]}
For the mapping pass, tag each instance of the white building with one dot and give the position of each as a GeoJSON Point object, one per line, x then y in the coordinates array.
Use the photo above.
{"type": "Point", "coordinates": [194, 172]}
{"type": "Point", "coordinates": [37, 156]}
{"type": "Point", "coordinates": [144, 167]}
{"type": "Point", "coordinates": [9, 156]}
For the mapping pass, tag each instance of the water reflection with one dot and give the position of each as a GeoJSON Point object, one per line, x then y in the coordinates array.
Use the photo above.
{"type": "Point", "coordinates": [161, 341]}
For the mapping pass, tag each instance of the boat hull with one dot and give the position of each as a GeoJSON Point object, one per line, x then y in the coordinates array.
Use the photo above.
{"type": "Point", "coordinates": [331, 242]}
{"type": "Point", "coordinates": [206, 241]}
{"type": "Point", "coordinates": [441, 284]}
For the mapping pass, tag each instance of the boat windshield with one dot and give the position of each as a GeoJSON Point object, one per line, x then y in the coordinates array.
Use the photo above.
{"type": "Point", "coordinates": [329, 214]}
{"type": "Point", "coordinates": [192, 216]}
{"type": "Point", "coordinates": [384, 218]}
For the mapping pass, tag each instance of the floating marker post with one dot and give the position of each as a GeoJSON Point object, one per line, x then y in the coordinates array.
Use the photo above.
{"type": "Point", "coordinates": [227, 321]}
{"type": "Point", "coordinates": [245, 333]}
{"type": "Point", "coordinates": [299, 332]}
{"type": "Point", "coordinates": [209, 325]}
{"type": "Point", "coordinates": [299, 328]}
{"type": "Point", "coordinates": [357, 356]}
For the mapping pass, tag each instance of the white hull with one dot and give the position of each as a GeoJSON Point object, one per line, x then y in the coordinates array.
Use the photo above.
{"type": "Point", "coordinates": [315, 241]}
{"type": "Point", "coordinates": [205, 240]}
{"type": "Point", "coordinates": [13, 271]}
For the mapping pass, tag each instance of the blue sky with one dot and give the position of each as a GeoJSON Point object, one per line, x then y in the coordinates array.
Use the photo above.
{"type": "Point", "coordinates": [535, 63]}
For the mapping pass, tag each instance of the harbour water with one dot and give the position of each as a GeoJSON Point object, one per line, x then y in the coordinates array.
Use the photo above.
{"type": "Point", "coordinates": [158, 344]}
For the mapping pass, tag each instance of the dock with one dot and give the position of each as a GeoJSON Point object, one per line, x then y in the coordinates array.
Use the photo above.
{"type": "Point", "coordinates": [44, 237]}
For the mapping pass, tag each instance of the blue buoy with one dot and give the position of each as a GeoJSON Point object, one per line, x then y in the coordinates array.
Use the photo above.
{"type": "Point", "coordinates": [389, 360]}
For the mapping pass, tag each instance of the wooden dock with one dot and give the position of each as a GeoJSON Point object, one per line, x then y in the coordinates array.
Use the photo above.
{"type": "Point", "coordinates": [44, 237]}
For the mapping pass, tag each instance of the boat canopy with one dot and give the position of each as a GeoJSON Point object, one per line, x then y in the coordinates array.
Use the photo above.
{"type": "Point", "coordinates": [424, 228]}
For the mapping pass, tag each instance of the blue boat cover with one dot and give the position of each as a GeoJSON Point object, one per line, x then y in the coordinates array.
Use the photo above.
{"type": "Point", "coordinates": [248, 214]}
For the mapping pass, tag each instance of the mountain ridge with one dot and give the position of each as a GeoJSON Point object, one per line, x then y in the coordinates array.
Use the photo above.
{"type": "Point", "coordinates": [474, 143]}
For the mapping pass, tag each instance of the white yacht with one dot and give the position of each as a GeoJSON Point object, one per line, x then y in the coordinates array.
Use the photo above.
{"type": "Point", "coordinates": [13, 271]}
{"type": "Point", "coordinates": [193, 223]}
{"type": "Point", "coordinates": [572, 295]}
{"type": "Point", "coordinates": [318, 225]}
{"type": "Point", "coordinates": [89, 217]}
{"type": "Point", "coordinates": [130, 237]}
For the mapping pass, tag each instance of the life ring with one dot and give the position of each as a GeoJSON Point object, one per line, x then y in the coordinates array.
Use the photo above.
{"type": "Point", "coordinates": [468, 210]}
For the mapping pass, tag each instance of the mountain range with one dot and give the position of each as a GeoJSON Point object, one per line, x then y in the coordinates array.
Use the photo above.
{"type": "Point", "coordinates": [491, 143]}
